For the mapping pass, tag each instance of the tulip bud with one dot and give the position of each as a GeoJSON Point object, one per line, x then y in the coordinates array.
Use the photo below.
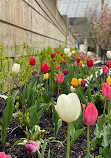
{"type": "Point", "coordinates": [72, 89]}
{"type": "Point", "coordinates": [62, 54]}
{"type": "Point", "coordinates": [52, 55]}
{"type": "Point", "coordinates": [32, 61]}
{"type": "Point", "coordinates": [90, 114]}
{"type": "Point", "coordinates": [65, 71]}
{"type": "Point", "coordinates": [79, 81]}
{"type": "Point", "coordinates": [80, 63]}
{"type": "Point", "coordinates": [89, 53]}
{"type": "Point", "coordinates": [58, 66]}
{"type": "Point", "coordinates": [74, 82]}
{"type": "Point", "coordinates": [108, 64]}
{"type": "Point", "coordinates": [46, 76]}
{"type": "Point", "coordinates": [68, 107]}
{"type": "Point", "coordinates": [34, 72]}
{"type": "Point", "coordinates": [106, 90]}
{"type": "Point", "coordinates": [67, 51]}
{"type": "Point", "coordinates": [78, 60]}
{"type": "Point", "coordinates": [105, 69]}
{"type": "Point", "coordinates": [60, 78]}
{"type": "Point", "coordinates": [16, 68]}
{"type": "Point", "coordinates": [108, 80]}
{"type": "Point", "coordinates": [44, 67]}
{"type": "Point", "coordinates": [89, 63]}
{"type": "Point", "coordinates": [83, 83]}
{"type": "Point", "coordinates": [108, 54]}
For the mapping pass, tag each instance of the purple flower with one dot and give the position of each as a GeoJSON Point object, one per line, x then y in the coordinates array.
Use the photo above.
{"type": "Point", "coordinates": [53, 60]}
{"type": "Point", "coordinates": [72, 60]}
{"type": "Point", "coordinates": [83, 83]}
{"type": "Point", "coordinates": [32, 146]}
{"type": "Point", "coordinates": [34, 72]}
{"type": "Point", "coordinates": [65, 71]}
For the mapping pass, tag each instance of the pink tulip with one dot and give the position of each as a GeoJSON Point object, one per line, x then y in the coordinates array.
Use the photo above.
{"type": "Point", "coordinates": [32, 146]}
{"type": "Point", "coordinates": [58, 66]}
{"type": "Point", "coordinates": [90, 114]}
{"type": "Point", "coordinates": [60, 78]}
{"type": "Point", "coordinates": [105, 69]}
{"type": "Point", "coordinates": [2, 155]}
{"type": "Point", "coordinates": [106, 90]}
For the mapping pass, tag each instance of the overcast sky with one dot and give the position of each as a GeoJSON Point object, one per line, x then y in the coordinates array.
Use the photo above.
{"type": "Point", "coordinates": [79, 8]}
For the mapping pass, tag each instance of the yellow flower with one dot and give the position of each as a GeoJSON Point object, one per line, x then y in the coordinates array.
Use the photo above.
{"type": "Point", "coordinates": [79, 81]}
{"type": "Point", "coordinates": [46, 76]}
{"type": "Point", "coordinates": [93, 60]}
{"type": "Point", "coordinates": [108, 80]}
{"type": "Point", "coordinates": [80, 63]}
{"type": "Point", "coordinates": [74, 82]}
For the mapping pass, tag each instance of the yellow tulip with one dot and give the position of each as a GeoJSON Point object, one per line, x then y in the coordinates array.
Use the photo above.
{"type": "Point", "coordinates": [79, 81]}
{"type": "Point", "coordinates": [93, 60]}
{"type": "Point", "coordinates": [46, 76]}
{"type": "Point", "coordinates": [108, 80]}
{"type": "Point", "coordinates": [74, 82]}
{"type": "Point", "coordinates": [80, 63]}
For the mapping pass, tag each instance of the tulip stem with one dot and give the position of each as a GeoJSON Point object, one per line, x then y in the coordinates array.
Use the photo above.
{"type": "Point", "coordinates": [108, 111]}
{"type": "Point", "coordinates": [68, 140]}
{"type": "Point", "coordinates": [104, 77]}
{"type": "Point", "coordinates": [88, 144]}
{"type": "Point", "coordinates": [58, 90]}
{"type": "Point", "coordinates": [104, 107]}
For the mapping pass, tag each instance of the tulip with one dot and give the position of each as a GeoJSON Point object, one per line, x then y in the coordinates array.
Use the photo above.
{"type": "Point", "coordinates": [68, 108]}
{"type": "Point", "coordinates": [58, 52]}
{"type": "Point", "coordinates": [72, 89]}
{"type": "Point", "coordinates": [2, 155]}
{"type": "Point", "coordinates": [73, 52]}
{"type": "Point", "coordinates": [89, 63]}
{"type": "Point", "coordinates": [83, 83]}
{"type": "Point", "coordinates": [46, 76]}
{"type": "Point", "coordinates": [67, 51]}
{"type": "Point", "coordinates": [90, 114]}
{"type": "Point", "coordinates": [89, 117]}
{"type": "Point", "coordinates": [65, 71]}
{"type": "Point", "coordinates": [79, 81]}
{"type": "Point", "coordinates": [71, 55]}
{"type": "Point", "coordinates": [94, 55]}
{"type": "Point", "coordinates": [32, 146]}
{"type": "Point", "coordinates": [34, 72]}
{"type": "Point", "coordinates": [77, 55]}
{"type": "Point", "coordinates": [16, 68]}
{"type": "Point", "coordinates": [108, 54]}
{"type": "Point", "coordinates": [74, 82]}
{"type": "Point", "coordinates": [62, 54]}
{"type": "Point", "coordinates": [32, 61]}
{"type": "Point", "coordinates": [105, 69]}
{"type": "Point", "coordinates": [89, 53]}
{"type": "Point", "coordinates": [80, 63]}
{"type": "Point", "coordinates": [106, 91]}
{"type": "Point", "coordinates": [72, 60]}
{"type": "Point", "coordinates": [62, 61]}
{"type": "Point", "coordinates": [108, 80]}
{"type": "Point", "coordinates": [78, 60]}
{"type": "Point", "coordinates": [58, 66]}
{"type": "Point", "coordinates": [60, 78]}
{"type": "Point", "coordinates": [52, 55]}
{"type": "Point", "coordinates": [44, 67]}
{"type": "Point", "coordinates": [108, 64]}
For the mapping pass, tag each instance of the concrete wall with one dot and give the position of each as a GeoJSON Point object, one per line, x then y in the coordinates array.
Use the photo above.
{"type": "Point", "coordinates": [36, 22]}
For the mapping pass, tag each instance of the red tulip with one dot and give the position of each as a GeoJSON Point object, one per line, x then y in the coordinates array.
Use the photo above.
{"type": "Point", "coordinates": [77, 55]}
{"type": "Point", "coordinates": [108, 65]}
{"type": "Point", "coordinates": [58, 52]}
{"type": "Point", "coordinates": [105, 69]}
{"type": "Point", "coordinates": [44, 67]}
{"type": "Point", "coordinates": [71, 55]}
{"type": "Point", "coordinates": [106, 90]}
{"type": "Point", "coordinates": [32, 61]}
{"type": "Point", "coordinates": [89, 62]}
{"type": "Point", "coordinates": [78, 60]}
{"type": "Point", "coordinates": [90, 114]}
{"type": "Point", "coordinates": [52, 55]}
{"type": "Point", "coordinates": [60, 77]}
{"type": "Point", "coordinates": [62, 54]}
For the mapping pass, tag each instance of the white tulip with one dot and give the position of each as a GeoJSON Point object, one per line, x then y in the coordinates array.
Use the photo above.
{"type": "Point", "coordinates": [68, 107]}
{"type": "Point", "coordinates": [73, 52]}
{"type": "Point", "coordinates": [89, 53]}
{"type": "Point", "coordinates": [108, 54]}
{"type": "Point", "coordinates": [69, 54]}
{"type": "Point", "coordinates": [16, 68]}
{"type": "Point", "coordinates": [67, 50]}
{"type": "Point", "coordinates": [72, 89]}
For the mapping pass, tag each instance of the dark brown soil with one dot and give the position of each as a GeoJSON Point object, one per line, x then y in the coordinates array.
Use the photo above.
{"type": "Point", "coordinates": [78, 150]}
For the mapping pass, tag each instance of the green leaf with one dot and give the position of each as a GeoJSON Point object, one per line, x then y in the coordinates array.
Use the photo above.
{"type": "Point", "coordinates": [6, 118]}
{"type": "Point", "coordinates": [89, 156]}
{"type": "Point", "coordinates": [76, 135]}
{"type": "Point", "coordinates": [106, 152]}
{"type": "Point", "coordinates": [95, 142]}
{"type": "Point", "coordinates": [14, 94]}
{"type": "Point", "coordinates": [99, 156]}
{"type": "Point", "coordinates": [43, 149]}
{"type": "Point", "coordinates": [49, 153]}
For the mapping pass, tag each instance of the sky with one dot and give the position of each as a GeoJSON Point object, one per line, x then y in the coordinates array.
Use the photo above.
{"type": "Point", "coordinates": [79, 8]}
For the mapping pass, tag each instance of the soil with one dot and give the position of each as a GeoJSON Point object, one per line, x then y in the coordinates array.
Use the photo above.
{"type": "Point", "coordinates": [78, 150]}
